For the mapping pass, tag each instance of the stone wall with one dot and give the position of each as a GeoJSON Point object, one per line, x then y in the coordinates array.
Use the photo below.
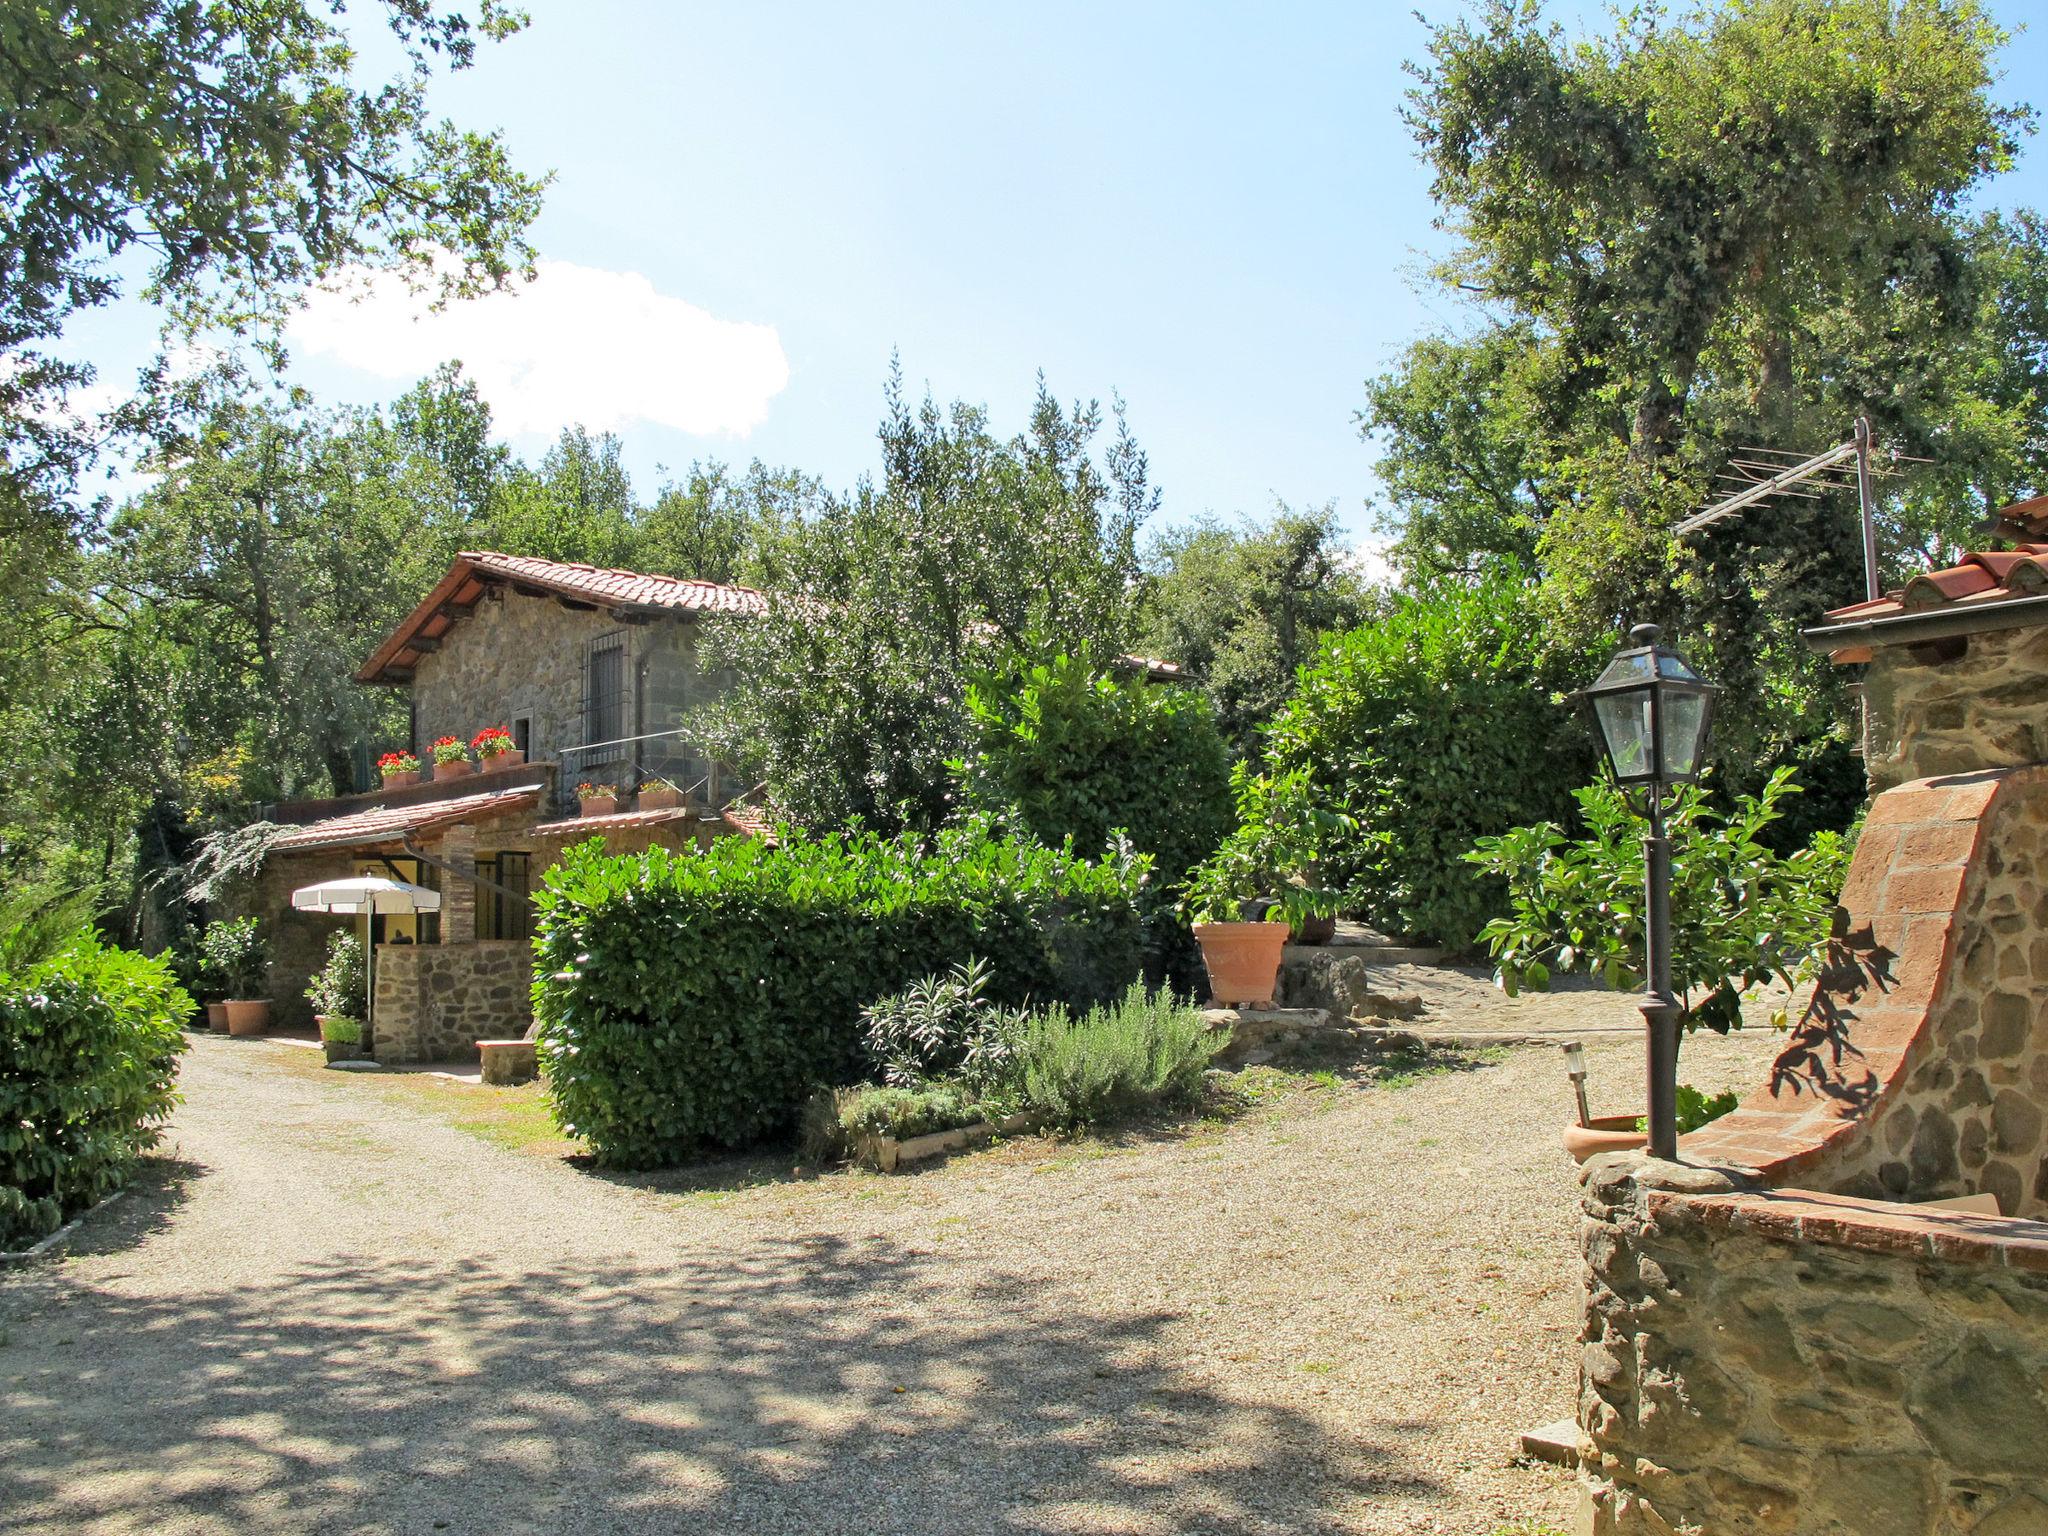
{"type": "Point", "coordinates": [1767, 1347]}
{"type": "Point", "coordinates": [435, 1001]}
{"type": "Point", "coordinates": [1958, 706]}
{"type": "Point", "coordinates": [1761, 1362]}
{"type": "Point", "coordinates": [297, 940]}
{"type": "Point", "coordinates": [513, 656]}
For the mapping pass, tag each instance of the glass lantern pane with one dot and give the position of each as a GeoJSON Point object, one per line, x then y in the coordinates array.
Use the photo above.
{"type": "Point", "coordinates": [1683, 715]}
{"type": "Point", "coordinates": [1628, 667]}
{"type": "Point", "coordinates": [1670, 666]}
{"type": "Point", "coordinates": [1625, 724]}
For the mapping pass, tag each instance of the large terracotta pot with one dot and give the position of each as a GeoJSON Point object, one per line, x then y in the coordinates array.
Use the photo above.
{"type": "Point", "coordinates": [217, 1017]}
{"type": "Point", "coordinates": [1243, 960]}
{"type": "Point", "coordinates": [512, 759]}
{"type": "Point", "coordinates": [599, 805]}
{"type": "Point", "coordinates": [461, 768]}
{"type": "Point", "coordinates": [395, 779]}
{"type": "Point", "coordinates": [1607, 1133]}
{"type": "Point", "coordinates": [247, 1016]}
{"type": "Point", "coordinates": [665, 799]}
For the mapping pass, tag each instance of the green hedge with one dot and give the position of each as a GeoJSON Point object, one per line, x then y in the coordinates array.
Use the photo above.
{"type": "Point", "coordinates": [1435, 726]}
{"type": "Point", "coordinates": [697, 999]}
{"type": "Point", "coordinates": [89, 1043]}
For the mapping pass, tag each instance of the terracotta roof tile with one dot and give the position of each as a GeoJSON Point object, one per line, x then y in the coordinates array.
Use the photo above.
{"type": "Point", "coordinates": [1981, 579]}
{"type": "Point", "coordinates": [630, 589]}
{"type": "Point", "coordinates": [570, 826]}
{"type": "Point", "coordinates": [752, 820]}
{"type": "Point", "coordinates": [388, 823]}
{"type": "Point", "coordinates": [475, 570]}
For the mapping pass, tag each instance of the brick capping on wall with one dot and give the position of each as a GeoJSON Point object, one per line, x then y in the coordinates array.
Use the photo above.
{"type": "Point", "coordinates": [1874, 1226]}
{"type": "Point", "coordinates": [1934, 880]}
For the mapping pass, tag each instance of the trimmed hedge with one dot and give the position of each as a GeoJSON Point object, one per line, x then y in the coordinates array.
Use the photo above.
{"type": "Point", "coordinates": [699, 999]}
{"type": "Point", "coordinates": [1434, 726]}
{"type": "Point", "coordinates": [89, 1043]}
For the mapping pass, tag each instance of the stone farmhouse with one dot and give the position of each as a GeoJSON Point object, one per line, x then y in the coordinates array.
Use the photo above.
{"type": "Point", "coordinates": [593, 672]}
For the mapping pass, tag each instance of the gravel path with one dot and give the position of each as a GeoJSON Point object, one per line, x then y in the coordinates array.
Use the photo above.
{"type": "Point", "coordinates": [331, 1311]}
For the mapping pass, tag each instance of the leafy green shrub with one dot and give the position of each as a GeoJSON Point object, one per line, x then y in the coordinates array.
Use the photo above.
{"type": "Point", "coordinates": [38, 922]}
{"type": "Point", "coordinates": [1067, 750]}
{"type": "Point", "coordinates": [1114, 1059]}
{"type": "Point", "coordinates": [341, 1031]}
{"type": "Point", "coordinates": [942, 1026]}
{"type": "Point", "coordinates": [235, 956]}
{"type": "Point", "coordinates": [337, 987]}
{"type": "Point", "coordinates": [1696, 1109]}
{"type": "Point", "coordinates": [1431, 727]}
{"type": "Point", "coordinates": [1740, 913]}
{"type": "Point", "coordinates": [700, 998]}
{"type": "Point", "coordinates": [89, 1041]}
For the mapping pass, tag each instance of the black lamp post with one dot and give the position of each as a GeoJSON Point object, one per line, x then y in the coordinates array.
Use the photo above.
{"type": "Point", "coordinates": [1653, 711]}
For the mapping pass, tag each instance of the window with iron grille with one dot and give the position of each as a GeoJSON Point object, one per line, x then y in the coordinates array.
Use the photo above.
{"type": "Point", "coordinates": [604, 688]}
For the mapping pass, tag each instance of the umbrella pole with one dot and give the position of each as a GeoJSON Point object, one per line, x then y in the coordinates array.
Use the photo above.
{"type": "Point", "coordinates": [369, 973]}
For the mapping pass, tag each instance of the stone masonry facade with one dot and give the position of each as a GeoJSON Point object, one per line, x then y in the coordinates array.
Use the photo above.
{"type": "Point", "coordinates": [1958, 706]}
{"type": "Point", "coordinates": [1921, 1070]}
{"type": "Point", "coordinates": [1760, 1362]}
{"type": "Point", "coordinates": [517, 657]}
{"type": "Point", "coordinates": [435, 1001]}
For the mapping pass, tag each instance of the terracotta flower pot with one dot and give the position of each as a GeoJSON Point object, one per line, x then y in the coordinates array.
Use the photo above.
{"type": "Point", "coordinates": [1607, 1133]}
{"type": "Point", "coordinates": [461, 768]}
{"type": "Point", "coordinates": [1243, 960]}
{"type": "Point", "coordinates": [217, 1017]}
{"type": "Point", "coordinates": [247, 1016]}
{"type": "Point", "coordinates": [512, 759]}
{"type": "Point", "coordinates": [397, 779]}
{"type": "Point", "coordinates": [660, 799]}
{"type": "Point", "coordinates": [599, 805]}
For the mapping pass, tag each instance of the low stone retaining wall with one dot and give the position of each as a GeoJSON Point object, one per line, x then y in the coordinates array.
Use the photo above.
{"type": "Point", "coordinates": [435, 1001]}
{"type": "Point", "coordinates": [1780, 1336]}
{"type": "Point", "coordinates": [1790, 1361]}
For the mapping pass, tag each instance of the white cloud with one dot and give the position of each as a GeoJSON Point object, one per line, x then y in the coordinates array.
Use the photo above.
{"type": "Point", "coordinates": [575, 345]}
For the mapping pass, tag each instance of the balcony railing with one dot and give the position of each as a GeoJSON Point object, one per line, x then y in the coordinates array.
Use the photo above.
{"type": "Point", "coordinates": [629, 761]}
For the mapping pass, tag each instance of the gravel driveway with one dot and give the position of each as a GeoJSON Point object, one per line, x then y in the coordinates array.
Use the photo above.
{"type": "Point", "coordinates": [330, 1311]}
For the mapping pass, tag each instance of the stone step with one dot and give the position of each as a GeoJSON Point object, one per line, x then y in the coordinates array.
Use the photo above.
{"type": "Point", "coordinates": [1556, 1442]}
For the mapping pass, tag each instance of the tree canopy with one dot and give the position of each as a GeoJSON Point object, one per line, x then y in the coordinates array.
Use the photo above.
{"type": "Point", "coordinates": [216, 159]}
{"type": "Point", "coordinates": [1739, 224]}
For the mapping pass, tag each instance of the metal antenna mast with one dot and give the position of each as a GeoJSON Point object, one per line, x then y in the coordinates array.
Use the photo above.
{"type": "Point", "coordinates": [1761, 475]}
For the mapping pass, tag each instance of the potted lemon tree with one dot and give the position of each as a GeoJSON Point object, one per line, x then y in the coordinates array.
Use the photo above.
{"type": "Point", "coordinates": [236, 953]}
{"type": "Point", "coordinates": [1261, 884]}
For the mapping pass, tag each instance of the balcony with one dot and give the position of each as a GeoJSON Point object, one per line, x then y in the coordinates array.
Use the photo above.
{"type": "Point", "coordinates": [629, 761]}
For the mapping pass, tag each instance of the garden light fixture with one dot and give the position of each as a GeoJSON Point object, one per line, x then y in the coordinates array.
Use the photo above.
{"type": "Point", "coordinates": [1575, 1069]}
{"type": "Point", "coordinates": [1652, 711]}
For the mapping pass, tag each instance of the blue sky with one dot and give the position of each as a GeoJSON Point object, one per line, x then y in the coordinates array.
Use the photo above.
{"type": "Point", "coordinates": [1214, 211]}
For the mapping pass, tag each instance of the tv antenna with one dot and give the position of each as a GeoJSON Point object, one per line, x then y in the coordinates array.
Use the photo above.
{"type": "Point", "coordinates": [1759, 475]}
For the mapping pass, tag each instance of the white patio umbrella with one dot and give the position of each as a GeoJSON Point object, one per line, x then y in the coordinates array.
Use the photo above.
{"type": "Point", "coordinates": [365, 894]}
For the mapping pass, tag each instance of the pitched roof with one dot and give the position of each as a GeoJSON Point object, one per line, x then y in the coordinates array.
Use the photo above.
{"type": "Point", "coordinates": [388, 823]}
{"type": "Point", "coordinates": [1986, 589]}
{"type": "Point", "coordinates": [572, 825]}
{"type": "Point", "coordinates": [477, 570]}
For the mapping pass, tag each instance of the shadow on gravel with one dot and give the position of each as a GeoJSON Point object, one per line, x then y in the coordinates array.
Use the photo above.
{"type": "Point", "coordinates": [817, 1386]}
